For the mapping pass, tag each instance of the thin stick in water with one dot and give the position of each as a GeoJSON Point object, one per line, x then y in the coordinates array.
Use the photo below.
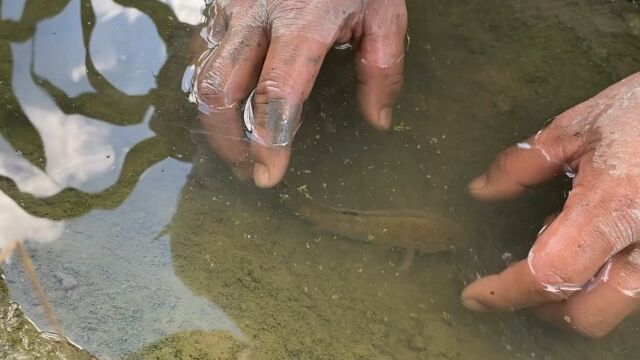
{"type": "Point", "coordinates": [6, 251]}
{"type": "Point", "coordinates": [35, 283]}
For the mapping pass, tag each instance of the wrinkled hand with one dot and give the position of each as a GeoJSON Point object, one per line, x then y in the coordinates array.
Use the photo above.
{"type": "Point", "coordinates": [277, 47]}
{"type": "Point", "coordinates": [583, 272]}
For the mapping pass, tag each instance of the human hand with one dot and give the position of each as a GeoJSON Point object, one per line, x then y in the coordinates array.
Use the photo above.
{"type": "Point", "coordinates": [277, 47]}
{"type": "Point", "coordinates": [583, 272]}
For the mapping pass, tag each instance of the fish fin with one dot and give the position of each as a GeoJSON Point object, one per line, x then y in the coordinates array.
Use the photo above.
{"type": "Point", "coordinates": [407, 259]}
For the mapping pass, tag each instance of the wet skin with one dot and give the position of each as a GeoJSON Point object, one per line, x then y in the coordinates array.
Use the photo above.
{"type": "Point", "coordinates": [583, 271]}
{"type": "Point", "coordinates": [277, 47]}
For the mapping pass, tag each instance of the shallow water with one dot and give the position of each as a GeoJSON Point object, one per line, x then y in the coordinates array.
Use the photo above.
{"type": "Point", "coordinates": [148, 248]}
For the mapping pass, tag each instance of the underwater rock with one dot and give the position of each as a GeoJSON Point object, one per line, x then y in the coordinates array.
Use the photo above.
{"type": "Point", "coordinates": [633, 22]}
{"type": "Point", "coordinates": [417, 344]}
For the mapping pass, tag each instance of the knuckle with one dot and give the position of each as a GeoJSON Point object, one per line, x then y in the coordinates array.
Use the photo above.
{"type": "Point", "coordinates": [617, 231]}
{"type": "Point", "coordinates": [382, 82]}
{"type": "Point", "coordinates": [633, 259]}
{"type": "Point", "coordinates": [554, 282]}
{"type": "Point", "coordinates": [620, 225]}
{"type": "Point", "coordinates": [505, 159]}
{"type": "Point", "coordinates": [289, 17]}
{"type": "Point", "coordinates": [395, 81]}
{"type": "Point", "coordinates": [590, 326]}
{"type": "Point", "coordinates": [628, 276]}
{"type": "Point", "coordinates": [274, 85]}
{"type": "Point", "coordinates": [556, 285]}
{"type": "Point", "coordinates": [312, 18]}
{"type": "Point", "coordinates": [402, 17]}
{"type": "Point", "coordinates": [623, 199]}
{"type": "Point", "coordinates": [212, 87]}
{"type": "Point", "coordinates": [251, 19]}
{"type": "Point", "coordinates": [269, 99]}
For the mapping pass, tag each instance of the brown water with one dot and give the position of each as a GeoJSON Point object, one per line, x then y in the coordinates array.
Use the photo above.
{"type": "Point", "coordinates": [147, 247]}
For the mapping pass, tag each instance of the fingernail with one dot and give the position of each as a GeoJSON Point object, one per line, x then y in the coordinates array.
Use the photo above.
{"type": "Point", "coordinates": [385, 117]}
{"type": "Point", "coordinates": [478, 183]}
{"type": "Point", "coordinates": [261, 176]}
{"type": "Point", "coordinates": [474, 305]}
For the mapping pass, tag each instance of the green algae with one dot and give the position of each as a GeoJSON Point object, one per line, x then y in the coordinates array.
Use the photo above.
{"type": "Point", "coordinates": [19, 339]}
{"type": "Point", "coordinates": [195, 345]}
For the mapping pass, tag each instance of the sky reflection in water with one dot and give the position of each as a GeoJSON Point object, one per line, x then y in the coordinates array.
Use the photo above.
{"type": "Point", "coordinates": [116, 290]}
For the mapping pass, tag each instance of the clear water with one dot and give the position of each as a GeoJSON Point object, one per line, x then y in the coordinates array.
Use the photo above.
{"type": "Point", "coordinates": [146, 245]}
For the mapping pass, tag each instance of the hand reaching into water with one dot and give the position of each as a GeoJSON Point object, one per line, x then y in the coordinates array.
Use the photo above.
{"type": "Point", "coordinates": [583, 272]}
{"type": "Point", "coordinates": [277, 47]}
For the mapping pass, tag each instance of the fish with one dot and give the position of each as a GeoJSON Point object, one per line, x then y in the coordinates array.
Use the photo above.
{"type": "Point", "coordinates": [417, 231]}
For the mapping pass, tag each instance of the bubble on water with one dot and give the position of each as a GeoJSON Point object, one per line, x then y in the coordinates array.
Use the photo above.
{"type": "Point", "coordinates": [248, 113]}
{"type": "Point", "coordinates": [203, 108]}
{"type": "Point", "coordinates": [282, 125]}
{"type": "Point", "coordinates": [631, 293]}
{"type": "Point", "coordinates": [553, 288]}
{"type": "Point", "coordinates": [604, 273]}
{"type": "Point", "coordinates": [187, 78]}
{"type": "Point", "coordinates": [507, 257]}
{"type": "Point", "coordinates": [568, 171]}
{"type": "Point", "coordinates": [542, 229]}
{"type": "Point", "coordinates": [561, 288]}
{"type": "Point", "coordinates": [343, 46]}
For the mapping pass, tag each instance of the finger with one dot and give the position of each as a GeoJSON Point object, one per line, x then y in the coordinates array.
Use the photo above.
{"type": "Point", "coordinates": [225, 135]}
{"type": "Point", "coordinates": [567, 254]}
{"type": "Point", "coordinates": [226, 74]}
{"type": "Point", "coordinates": [549, 152]}
{"type": "Point", "coordinates": [209, 35]}
{"type": "Point", "coordinates": [270, 164]}
{"type": "Point", "coordinates": [505, 291]}
{"type": "Point", "coordinates": [515, 169]}
{"type": "Point", "coordinates": [289, 71]}
{"type": "Point", "coordinates": [605, 303]}
{"type": "Point", "coordinates": [540, 158]}
{"type": "Point", "coordinates": [380, 61]}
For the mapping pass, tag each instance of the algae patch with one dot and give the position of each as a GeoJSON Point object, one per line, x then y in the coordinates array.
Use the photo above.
{"type": "Point", "coordinates": [19, 339]}
{"type": "Point", "coordinates": [195, 345]}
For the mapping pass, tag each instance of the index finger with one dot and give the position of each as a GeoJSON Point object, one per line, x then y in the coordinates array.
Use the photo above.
{"type": "Point", "coordinates": [289, 72]}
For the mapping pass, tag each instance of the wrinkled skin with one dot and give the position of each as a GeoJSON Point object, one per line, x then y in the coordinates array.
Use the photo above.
{"type": "Point", "coordinates": [583, 272]}
{"type": "Point", "coordinates": [277, 47]}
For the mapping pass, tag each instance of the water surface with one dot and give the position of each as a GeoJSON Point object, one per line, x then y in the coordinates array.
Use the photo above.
{"type": "Point", "coordinates": [147, 246]}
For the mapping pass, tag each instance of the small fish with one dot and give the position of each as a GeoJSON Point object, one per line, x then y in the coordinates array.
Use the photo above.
{"type": "Point", "coordinates": [414, 230]}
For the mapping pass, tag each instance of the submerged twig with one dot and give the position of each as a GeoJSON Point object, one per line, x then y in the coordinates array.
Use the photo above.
{"type": "Point", "coordinates": [35, 283]}
{"type": "Point", "coordinates": [7, 250]}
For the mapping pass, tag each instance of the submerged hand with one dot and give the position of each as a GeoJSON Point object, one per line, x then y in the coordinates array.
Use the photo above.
{"type": "Point", "coordinates": [583, 272]}
{"type": "Point", "coordinates": [277, 47]}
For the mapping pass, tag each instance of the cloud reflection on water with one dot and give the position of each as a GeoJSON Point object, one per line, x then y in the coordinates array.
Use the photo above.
{"type": "Point", "coordinates": [125, 293]}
